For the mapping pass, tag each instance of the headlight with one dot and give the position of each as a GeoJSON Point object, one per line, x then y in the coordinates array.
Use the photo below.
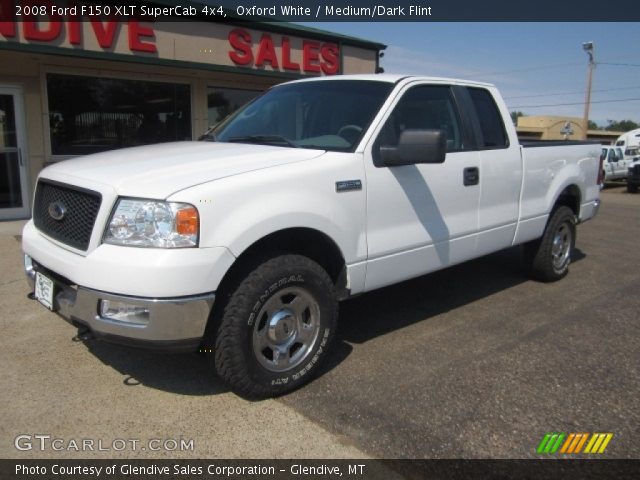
{"type": "Point", "coordinates": [152, 223]}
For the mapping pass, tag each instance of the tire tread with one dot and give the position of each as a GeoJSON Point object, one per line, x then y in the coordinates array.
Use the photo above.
{"type": "Point", "coordinates": [537, 252]}
{"type": "Point", "coordinates": [227, 357]}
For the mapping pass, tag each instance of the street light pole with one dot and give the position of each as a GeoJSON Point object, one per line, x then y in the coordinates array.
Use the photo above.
{"type": "Point", "coordinates": [588, 48]}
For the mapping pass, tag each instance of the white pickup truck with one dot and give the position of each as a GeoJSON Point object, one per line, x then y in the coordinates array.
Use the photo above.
{"type": "Point", "coordinates": [615, 165]}
{"type": "Point", "coordinates": [242, 244]}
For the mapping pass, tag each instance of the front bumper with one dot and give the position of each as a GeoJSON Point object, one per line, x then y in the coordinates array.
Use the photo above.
{"type": "Point", "coordinates": [172, 324]}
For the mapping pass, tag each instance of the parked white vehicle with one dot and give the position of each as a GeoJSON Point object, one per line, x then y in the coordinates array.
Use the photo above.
{"type": "Point", "coordinates": [630, 143]}
{"type": "Point", "coordinates": [242, 245]}
{"type": "Point", "coordinates": [615, 165]}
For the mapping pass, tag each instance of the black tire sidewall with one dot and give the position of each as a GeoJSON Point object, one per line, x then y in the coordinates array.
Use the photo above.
{"type": "Point", "coordinates": [538, 256]}
{"type": "Point", "coordinates": [266, 281]}
{"type": "Point", "coordinates": [563, 215]}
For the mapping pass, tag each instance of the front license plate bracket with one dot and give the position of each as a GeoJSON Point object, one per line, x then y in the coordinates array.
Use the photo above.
{"type": "Point", "coordinates": [44, 290]}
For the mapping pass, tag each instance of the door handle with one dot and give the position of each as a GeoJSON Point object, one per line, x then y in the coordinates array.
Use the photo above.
{"type": "Point", "coordinates": [20, 157]}
{"type": "Point", "coordinates": [471, 176]}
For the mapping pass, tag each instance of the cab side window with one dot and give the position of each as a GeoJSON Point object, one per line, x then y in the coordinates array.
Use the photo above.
{"type": "Point", "coordinates": [494, 134]}
{"type": "Point", "coordinates": [424, 107]}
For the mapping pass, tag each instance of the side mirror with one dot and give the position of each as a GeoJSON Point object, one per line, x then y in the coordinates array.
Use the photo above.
{"type": "Point", "coordinates": [416, 146]}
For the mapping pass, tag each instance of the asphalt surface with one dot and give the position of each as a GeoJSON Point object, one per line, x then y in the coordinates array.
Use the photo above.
{"type": "Point", "coordinates": [474, 361]}
{"type": "Point", "coordinates": [55, 386]}
{"type": "Point", "coordinates": [478, 361]}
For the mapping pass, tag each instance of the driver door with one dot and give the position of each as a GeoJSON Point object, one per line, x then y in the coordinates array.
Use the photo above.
{"type": "Point", "coordinates": [420, 217]}
{"type": "Point", "coordinates": [614, 163]}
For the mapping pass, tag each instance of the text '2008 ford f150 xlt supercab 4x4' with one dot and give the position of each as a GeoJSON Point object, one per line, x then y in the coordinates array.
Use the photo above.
{"type": "Point", "coordinates": [243, 244]}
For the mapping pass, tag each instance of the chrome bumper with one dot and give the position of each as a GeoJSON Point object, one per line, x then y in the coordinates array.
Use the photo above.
{"type": "Point", "coordinates": [588, 210]}
{"type": "Point", "coordinates": [175, 324]}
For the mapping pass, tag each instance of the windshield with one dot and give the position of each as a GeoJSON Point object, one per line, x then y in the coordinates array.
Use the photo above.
{"type": "Point", "coordinates": [327, 115]}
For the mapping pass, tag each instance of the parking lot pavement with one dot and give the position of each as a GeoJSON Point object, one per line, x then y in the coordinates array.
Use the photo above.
{"type": "Point", "coordinates": [53, 385]}
{"type": "Point", "coordinates": [479, 361]}
{"type": "Point", "coordinates": [474, 361]}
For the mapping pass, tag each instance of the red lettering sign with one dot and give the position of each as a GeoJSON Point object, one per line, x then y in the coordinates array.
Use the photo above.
{"type": "Point", "coordinates": [7, 26]}
{"type": "Point", "coordinates": [42, 31]}
{"type": "Point", "coordinates": [266, 52]}
{"type": "Point", "coordinates": [287, 64]}
{"type": "Point", "coordinates": [46, 29]}
{"type": "Point", "coordinates": [240, 40]}
{"type": "Point", "coordinates": [135, 43]}
{"type": "Point", "coordinates": [74, 32]}
{"type": "Point", "coordinates": [331, 56]}
{"type": "Point", "coordinates": [310, 56]}
{"type": "Point", "coordinates": [105, 34]}
{"type": "Point", "coordinates": [49, 28]}
{"type": "Point", "coordinates": [317, 57]}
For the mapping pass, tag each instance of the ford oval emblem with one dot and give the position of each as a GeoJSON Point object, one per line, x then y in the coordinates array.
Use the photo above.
{"type": "Point", "coordinates": [57, 210]}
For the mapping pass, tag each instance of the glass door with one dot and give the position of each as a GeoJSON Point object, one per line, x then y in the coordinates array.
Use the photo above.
{"type": "Point", "coordinates": [14, 200]}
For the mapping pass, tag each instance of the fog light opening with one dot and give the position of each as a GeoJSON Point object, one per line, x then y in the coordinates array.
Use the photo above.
{"type": "Point", "coordinates": [123, 312]}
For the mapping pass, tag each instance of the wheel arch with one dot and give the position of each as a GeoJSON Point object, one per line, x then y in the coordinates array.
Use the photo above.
{"type": "Point", "coordinates": [570, 197]}
{"type": "Point", "coordinates": [304, 241]}
{"type": "Point", "coordinates": [308, 242]}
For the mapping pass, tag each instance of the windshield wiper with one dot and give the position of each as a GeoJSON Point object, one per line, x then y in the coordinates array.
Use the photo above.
{"type": "Point", "coordinates": [263, 139]}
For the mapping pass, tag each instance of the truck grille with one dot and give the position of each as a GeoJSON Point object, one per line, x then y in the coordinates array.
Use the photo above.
{"type": "Point", "coordinates": [636, 170]}
{"type": "Point", "coordinates": [76, 207]}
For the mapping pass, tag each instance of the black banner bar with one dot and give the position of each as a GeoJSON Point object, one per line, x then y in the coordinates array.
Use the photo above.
{"type": "Point", "coordinates": [199, 469]}
{"type": "Point", "coordinates": [328, 11]}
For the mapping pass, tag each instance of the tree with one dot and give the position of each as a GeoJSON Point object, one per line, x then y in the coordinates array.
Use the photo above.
{"type": "Point", "coordinates": [515, 115]}
{"type": "Point", "coordinates": [621, 125]}
{"type": "Point", "coordinates": [593, 125]}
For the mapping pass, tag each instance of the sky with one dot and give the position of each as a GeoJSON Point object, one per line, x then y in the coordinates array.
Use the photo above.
{"type": "Point", "coordinates": [532, 64]}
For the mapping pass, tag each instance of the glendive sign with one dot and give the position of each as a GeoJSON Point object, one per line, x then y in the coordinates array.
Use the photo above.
{"type": "Point", "coordinates": [141, 37]}
{"type": "Point", "coordinates": [317, 57]}
{"type": "Point", "coordinates": [53, 27]}
{"type": "Point", "coordinates": [245, 48]}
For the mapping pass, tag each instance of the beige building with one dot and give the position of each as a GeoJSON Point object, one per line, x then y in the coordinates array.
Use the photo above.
{"type": "Point", "coordinates": [73, 88]}
{"type": "Point", "coordinates": [548, 127]}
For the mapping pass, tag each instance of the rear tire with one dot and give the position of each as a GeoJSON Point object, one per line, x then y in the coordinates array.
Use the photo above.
{"type": "Point", "coordinates": [276, 328]}
{"type": "Point", "coordinates": [547, 258]}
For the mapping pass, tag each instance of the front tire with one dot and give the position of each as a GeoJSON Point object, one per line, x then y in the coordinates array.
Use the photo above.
{"type": "Point", "coordinates": [276, 328]}
{"type": "Point", "coordinates": [632, 187]}
{"type": "Point", "coordinates": [547, 259]}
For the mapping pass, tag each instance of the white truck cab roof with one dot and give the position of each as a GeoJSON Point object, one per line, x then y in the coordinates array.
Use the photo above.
{"type": "Point", "coordinates": [395, 78]}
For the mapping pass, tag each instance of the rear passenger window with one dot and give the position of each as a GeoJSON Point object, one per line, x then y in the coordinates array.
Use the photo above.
{"type": "Point", "coordinates": [493, 132]}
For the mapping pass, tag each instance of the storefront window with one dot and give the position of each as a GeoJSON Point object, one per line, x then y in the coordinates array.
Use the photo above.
{"type": "Point", "coordinates": [88, 115]}
{"type": "Point", "coordinates": [10, 193]}
{"type": "Point", "coordinates": [223, 101]}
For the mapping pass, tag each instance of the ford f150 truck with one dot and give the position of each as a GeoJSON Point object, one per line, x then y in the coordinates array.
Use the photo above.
{"type": "Point", "coordinates": [242, 244]}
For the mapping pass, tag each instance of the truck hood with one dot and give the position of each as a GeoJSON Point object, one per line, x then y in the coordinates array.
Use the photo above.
{"type": "Point", "coordinates": [158, 171]}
